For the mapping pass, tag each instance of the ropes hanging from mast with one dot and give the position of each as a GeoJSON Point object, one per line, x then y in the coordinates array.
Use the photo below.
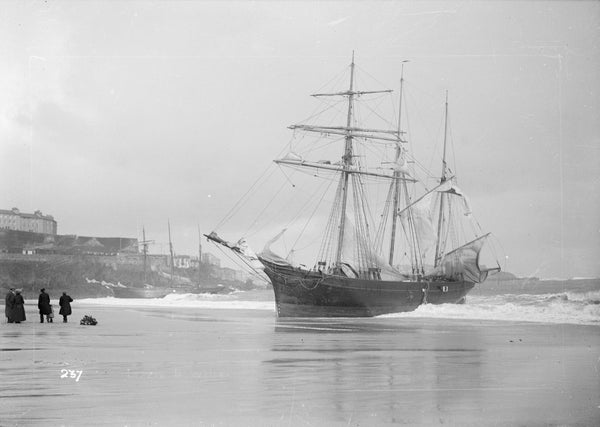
{"type": "Point", "coordinates": [350, 235]}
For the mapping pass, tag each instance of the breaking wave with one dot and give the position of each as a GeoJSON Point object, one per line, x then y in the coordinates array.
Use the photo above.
{"type": "Point", "coordinates": [566, 307]}
{"type": "Point", "coordinates": [571, 307]}
{"type": "Point", "coordinates": [238, 300]}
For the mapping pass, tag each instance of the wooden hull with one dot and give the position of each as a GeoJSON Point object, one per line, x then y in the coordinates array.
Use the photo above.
{"type": "Point", "coordinates": [140, 292]}
{"type": "Point", "coordinates": [301, 293]}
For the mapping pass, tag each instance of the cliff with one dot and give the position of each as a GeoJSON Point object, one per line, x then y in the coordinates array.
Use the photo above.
{"type": "Point", "coordinates": [82, 275]}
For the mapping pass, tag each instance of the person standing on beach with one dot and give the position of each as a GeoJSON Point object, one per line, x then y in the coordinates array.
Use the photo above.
{"type": "Point", "coordinates": [65, 306]}
{"type": "Point", "coordinates": [44, 305]}
{"type": "Point", "coordinates": [19, 308]}
{"type": "Point", "coordinates": [9, 306]}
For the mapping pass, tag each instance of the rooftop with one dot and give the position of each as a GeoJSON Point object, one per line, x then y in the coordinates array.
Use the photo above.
{"type": "Point", "coordinates": [17, 212]}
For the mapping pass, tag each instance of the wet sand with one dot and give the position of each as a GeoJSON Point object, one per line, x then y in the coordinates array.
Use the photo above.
{"type": "Point", "coordinates": [197, 366]}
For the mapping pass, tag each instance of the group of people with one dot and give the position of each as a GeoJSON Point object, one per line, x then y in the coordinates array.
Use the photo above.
{"type": "Point", "coordinates": [15, 306]}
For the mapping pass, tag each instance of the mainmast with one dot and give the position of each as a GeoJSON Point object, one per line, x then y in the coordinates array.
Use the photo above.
{"type": "Point", "coordinates": [347, 163]}
{"type": "Point", "coordinates": [396, 181]}
{"type": "Point", "coordinates": [438, 246]}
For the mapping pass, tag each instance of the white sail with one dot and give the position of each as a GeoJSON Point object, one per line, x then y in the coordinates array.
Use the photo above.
{"type": "Point", "coordinates": [454, 190]}
{"type": "Point", "coordinates": [422, 219]}
{"type": "Point", "coordinates": [463, 263]}
{"type": "Point", "coordinates": [424, 216]}
{"type": "Point", "coordinates": [363, 259]}
{"type": "Point", "coordinates": [271, 256]}
{"type": "Point", "coordinates": [376, 216]}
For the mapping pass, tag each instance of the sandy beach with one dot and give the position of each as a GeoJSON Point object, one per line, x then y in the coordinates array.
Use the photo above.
{"type": "Point", "coordinates": [210, 366]}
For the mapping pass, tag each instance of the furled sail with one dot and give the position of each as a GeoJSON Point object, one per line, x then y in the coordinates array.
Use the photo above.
{"type": "Point", "coordinates": [241, 247]}
{"type": "Point", "coordinates": [463, 263]}
{"type": "Point", "coordinates": [454, 190]}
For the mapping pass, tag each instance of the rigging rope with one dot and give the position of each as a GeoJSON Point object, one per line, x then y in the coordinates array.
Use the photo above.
{"type": "Point", "coordinates": [312, 214]}
{"type": "Point", "coordinates": [265, 208]}
{"type": "Point", "coordinates": [254, 272]}
{"type": "Point", "coordinates": [240, 202]}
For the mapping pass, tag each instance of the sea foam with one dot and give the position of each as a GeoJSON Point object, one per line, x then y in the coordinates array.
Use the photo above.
{"type": "Point", "coordinates": [566, 307]}
{"type": "Point", "coordinates": [232, 301]}
{"type": "Point", "coordinates": [563, 307]}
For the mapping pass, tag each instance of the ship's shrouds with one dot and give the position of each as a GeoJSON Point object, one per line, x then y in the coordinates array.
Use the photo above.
{"type": "Point", "coordinates": [387, 242]}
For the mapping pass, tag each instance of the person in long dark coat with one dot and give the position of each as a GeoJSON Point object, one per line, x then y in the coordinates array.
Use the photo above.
{"type": "Point", "coordinates": [9, 305]}
{"type": "Point", "coordinates": [44, 305]}
{"type": "Point", "coordinates": [19, 310]}
{"type": "Point", "coordinates": [65, 306]}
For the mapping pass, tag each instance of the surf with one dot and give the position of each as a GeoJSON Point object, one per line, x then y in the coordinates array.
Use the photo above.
{"type": "Point", "coordinates": [580, 308]}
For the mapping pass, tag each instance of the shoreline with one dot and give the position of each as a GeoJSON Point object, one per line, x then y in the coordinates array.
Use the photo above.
{"type": "Point", "coordinates": [186, 365]}
{"type": "Point", "coordinates": [544, 309]}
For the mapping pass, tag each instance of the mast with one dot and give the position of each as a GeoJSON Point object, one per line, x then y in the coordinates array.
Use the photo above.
{"type": "Point", "coordinates": [395, 182]}
{"type": "Point", "coordinates": [171, 251]}
{"type": "Point", "coordinates": [199, 254]}
{"type": "Point", "coordinates": [444, 165]}
{"type": "Point", "coordinates": [145, 244]}
{"type": "Point", "coordinates": [337, 221]}
{"type": "Point", "coordinates": [145, 251]}
{"type": "Point", "coordinates": [347, 162]}
{"type": "Point", "coordinates": [438, 248]}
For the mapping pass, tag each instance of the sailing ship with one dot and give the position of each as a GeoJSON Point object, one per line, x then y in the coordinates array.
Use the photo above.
{"type": "Point", "coordinates": [412, 252]}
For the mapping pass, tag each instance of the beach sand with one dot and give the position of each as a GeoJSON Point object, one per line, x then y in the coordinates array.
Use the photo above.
{"type": "Point", "coordinates": [201, 366]}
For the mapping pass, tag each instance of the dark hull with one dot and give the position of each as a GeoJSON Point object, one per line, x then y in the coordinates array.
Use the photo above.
{"type": "Point", "coordinates": [301, 293]}
{"type": "Point", "coordinates": [130, 292]}
{"type": "Point", "coordinates": [140, 292]}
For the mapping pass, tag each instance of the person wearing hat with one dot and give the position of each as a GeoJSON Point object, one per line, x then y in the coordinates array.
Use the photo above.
{"type": "Point", "coordinates": [9, 305]}
{"type": "Point", "coordinates": [44, 305]}
{"type": "Point", "coordinates": [65, 306]}
{"type": "Point", "coordinates": [19, 310]}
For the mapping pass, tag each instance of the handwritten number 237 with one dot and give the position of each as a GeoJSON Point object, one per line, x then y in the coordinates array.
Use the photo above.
{"type": "Point", "coordinates": [68, 373]}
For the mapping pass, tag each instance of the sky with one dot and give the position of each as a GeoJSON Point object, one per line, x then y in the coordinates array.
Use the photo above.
{"type": "Point", "coordinates": [120, 115]}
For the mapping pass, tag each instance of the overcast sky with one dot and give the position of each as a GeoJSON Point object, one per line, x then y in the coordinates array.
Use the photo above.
{"type": "Point", "coordinates": [118, 115]}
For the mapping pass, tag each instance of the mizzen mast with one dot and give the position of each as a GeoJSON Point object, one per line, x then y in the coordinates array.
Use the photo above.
{"type": "Point", "coordinates": [439, 249]}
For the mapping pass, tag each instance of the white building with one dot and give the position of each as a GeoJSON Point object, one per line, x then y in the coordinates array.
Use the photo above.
{"type": "Point", "coordinates": [36, 222]}
{"type": "Point", "coordinates": [181, 261]}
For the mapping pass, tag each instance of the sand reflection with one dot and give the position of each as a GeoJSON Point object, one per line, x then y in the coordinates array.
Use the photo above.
{"type": "Point", "coordinates": [376, 370]}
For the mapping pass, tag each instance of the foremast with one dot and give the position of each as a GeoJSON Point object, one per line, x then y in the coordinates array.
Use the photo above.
{"type": "Point", "coordinates": [334, 256]}
{"type": "Point", "coordinates": [347, 163]}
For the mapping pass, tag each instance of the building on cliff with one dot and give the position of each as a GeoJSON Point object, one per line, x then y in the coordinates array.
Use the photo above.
{"type": "Point", "coordinates": [36, 222]}
{"type": "Point", "coordinates": [208, 258]}
{"type": "Point", "coordinates": [29, 243]}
